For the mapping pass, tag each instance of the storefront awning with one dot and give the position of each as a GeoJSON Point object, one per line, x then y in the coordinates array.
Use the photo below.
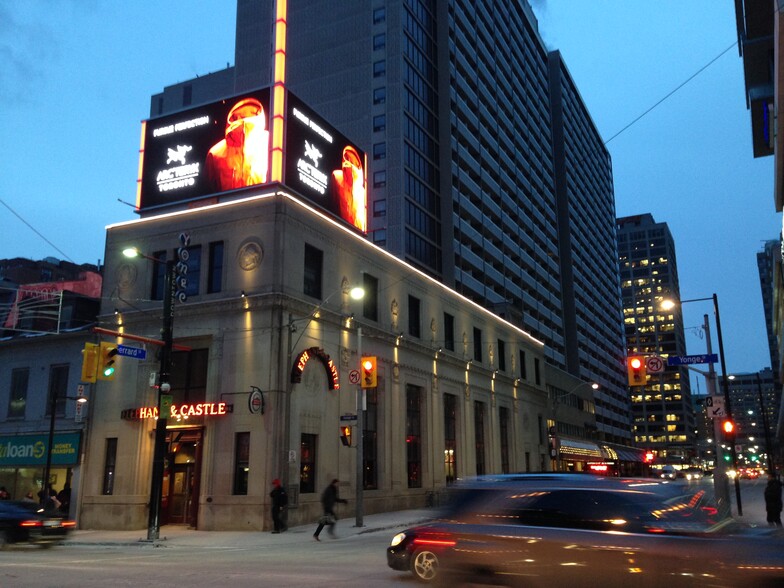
{"type": "Point", "coordinates": [572, 447]}
{"type": "Point", "coordinates": [622, 453]}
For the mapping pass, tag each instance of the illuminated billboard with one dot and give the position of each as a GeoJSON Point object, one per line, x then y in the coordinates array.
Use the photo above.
{"type": "Point", "coordinates": [322, 165]}
{"type": "Point", "coordinates": [226, 145]}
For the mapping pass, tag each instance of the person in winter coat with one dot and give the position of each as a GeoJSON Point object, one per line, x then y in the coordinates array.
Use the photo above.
{"type": "Point", "coordinates": [328, 500]}
{"type": "Point", "coordinates": [773, 500]}
{"type": "Point", "coordinates": [279, 501]}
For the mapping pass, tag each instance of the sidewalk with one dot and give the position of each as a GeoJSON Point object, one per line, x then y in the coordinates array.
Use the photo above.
{"type": "Point", "coordinates": [182, 536]}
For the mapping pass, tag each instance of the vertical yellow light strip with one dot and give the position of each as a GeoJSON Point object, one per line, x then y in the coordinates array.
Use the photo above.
{"type": "Point", "coordinates": [278, 92]}
{"type": "Point", "coordinates": [141, 166]}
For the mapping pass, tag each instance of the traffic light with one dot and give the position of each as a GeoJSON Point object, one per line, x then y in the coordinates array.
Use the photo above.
{"type": "Point", "coordinates": [635, 370]}
{"type": "Point", "coordinates": [106, 367]}
{"type": "Point", "coordinates": [345, 435]}
{"type": "Point", "coordinates": [89, 362]}
{"type": "Point", "coordinates": [369, 374]}
{"type": "Point", "coordinates": [728, 427]}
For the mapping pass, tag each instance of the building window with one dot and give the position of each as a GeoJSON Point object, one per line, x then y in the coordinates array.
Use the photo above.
{"type": "Point", "coordinates": [379, 122]}
{"type": "Point", "coordinates": [380, 151]}
{"type": "Point", "coordinates": [109, 465]}
{"type": "Point", "coordinates": [370, 441]}
{"type": "Point", "coordinates": [414, 435]}
{"type": "Point", "coordinates": [241, 463]}
{"type": "Point", "coordinates": [379, 41]}
{"type": "Point", "coordinates": [503, 428]}
{"type": "Point", "coordinates": [58, 389]}
{"type": "Point", "coordinates": [215, 269]}
{"type": "Point", "coordinates": [380, 179]}
{"type": "Point", "coordinates": [523, 369]}
{"type": "Point", "coordinates": [477, 344]}
{"type": "Point", "coordinates": [450, 437]}
{"type": "Point", "coordinates": [501, 355]}
{"type": "Point", "coordinates": [379, 69]}
{"type": "Point", "coordinates": [537, 372]}
{"type": "Point", "coordinates": [307, 463]}
{"type": "Point", "coordinates": [479, 437]}
{"type": "Point", "coordinates": [379, 15]}
{"type": "Point", "coordinates": [379, 95]}
{"type": "Point", "coordinates": [380, 207]}
{"type": "Point", "coordinates": [194, 270]}
{"type": "Point", "coordinates": [17, 399]}
{"type": "Point", "coordinates": [314, 264]}
{"type": "Point", "coordinates": [414, 320]}
{"type": "Point", "coordinates": [449, 331]}
{"type": "Point", "coordinates": [158, 275]}
{"type": "Point", "coordinates": [380, 237]}
{"type": "Point", "coordinates": [370, 301]}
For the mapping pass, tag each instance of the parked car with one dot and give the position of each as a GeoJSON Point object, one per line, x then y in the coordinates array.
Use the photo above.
{"type": "Point", "coordinates": [582, 530]}
{"type": "Point", "coordinates": [26, 522]}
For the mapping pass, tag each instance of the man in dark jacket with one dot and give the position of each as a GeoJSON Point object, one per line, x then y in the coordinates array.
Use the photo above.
{"type": "Point", "coordinates": [328, 499]}
{"type": "Point", "coordinates": [279, 502]}
{"type": "Point", "coordinates": [773, 500]}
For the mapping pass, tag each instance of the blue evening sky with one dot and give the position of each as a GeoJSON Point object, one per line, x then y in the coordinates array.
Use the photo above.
{"type": "Point", "coordinates": [76, 78]}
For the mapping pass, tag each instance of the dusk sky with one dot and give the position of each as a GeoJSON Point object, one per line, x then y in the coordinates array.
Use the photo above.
{"type": "Point", "coordinates": [76, 78]}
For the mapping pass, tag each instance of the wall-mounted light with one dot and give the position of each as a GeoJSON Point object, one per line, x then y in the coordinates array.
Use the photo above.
{"type": "Point", "coordinates": [116, 311]}
{"type": "Point", "coordinates": [242, 294]}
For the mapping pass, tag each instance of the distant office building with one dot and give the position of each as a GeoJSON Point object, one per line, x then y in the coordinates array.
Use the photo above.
{"type": "Point", "coordinates": [755, 402]}
{"type": "Point", "coordinates": [662, 409]}
{"type": "Point", "coordinates": [486, 170]}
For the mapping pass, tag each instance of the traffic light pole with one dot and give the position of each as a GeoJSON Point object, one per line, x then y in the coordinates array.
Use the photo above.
{"type": "Point", "coordinates": [360, 478]}
{"type": "Point", "coordinates": [159, 452]}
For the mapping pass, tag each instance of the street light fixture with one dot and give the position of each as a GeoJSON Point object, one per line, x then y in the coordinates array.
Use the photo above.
{"type": "Point", "coordinates": [668, 305]}
{"type": "Point", "coordinates": [159, 451]}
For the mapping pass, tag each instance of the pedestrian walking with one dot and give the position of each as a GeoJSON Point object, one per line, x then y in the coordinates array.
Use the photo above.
{"type": "Point", "coordinates": [773, 499]}
{"type": "Point", "coordinates": [279, 502]}
{"type": "Point", "coordinates": [328, 500]}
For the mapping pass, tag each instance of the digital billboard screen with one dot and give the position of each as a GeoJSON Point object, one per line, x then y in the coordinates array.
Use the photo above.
{"type": "Point", "coordinates": [324, 166]}
{"type": "Point", "coordinates": [214, 148]}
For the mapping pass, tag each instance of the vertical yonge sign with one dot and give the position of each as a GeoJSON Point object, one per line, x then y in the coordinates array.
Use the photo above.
{"type": "Point", "coordinates": [225, 146]}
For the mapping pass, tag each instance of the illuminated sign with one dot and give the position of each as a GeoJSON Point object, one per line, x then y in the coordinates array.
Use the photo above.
{"type": "Point", "coordinates": [227, 146]}
{"type": "Point", "coordinates": [324, 166]}
{"type": "Point", "coordinates": [29, 450]}
{"type": "Point", "coordinates": [302, 360]}
{"type": "Point", "coordinates": [213, 148]}
{"type": "Point", "coordinates": [178, 411]}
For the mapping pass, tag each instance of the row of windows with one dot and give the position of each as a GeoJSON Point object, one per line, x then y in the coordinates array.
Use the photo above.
{"type": "Point", "coordinates": [193, 263]}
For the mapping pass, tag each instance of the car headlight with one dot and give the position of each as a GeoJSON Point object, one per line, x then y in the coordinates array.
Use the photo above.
{"type": "Point", "coordinates": [397, 539]}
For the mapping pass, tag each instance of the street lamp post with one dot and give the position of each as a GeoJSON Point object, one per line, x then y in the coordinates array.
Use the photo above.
{"type": "Point", "coordinates": [164, 386]}
{"type": "Point", "coordinates": [725, 389]}
{"type": "Point", "coordinates": [360, 482]}
{"type": "Point", "coordinates": [52, 416]}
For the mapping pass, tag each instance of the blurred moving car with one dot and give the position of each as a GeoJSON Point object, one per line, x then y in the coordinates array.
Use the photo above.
{"type": "Point", "coordinates": [693, 473]}
{"type": "Point", "coordinates": [582, 530]}
{"type": "Point", "coordinates": [26, 522]}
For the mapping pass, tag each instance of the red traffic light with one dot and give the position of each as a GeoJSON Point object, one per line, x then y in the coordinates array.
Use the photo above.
{"type": "Point", "coordinates": [635, 362]}
{"type": "Point", "coordinates": [728, 427]}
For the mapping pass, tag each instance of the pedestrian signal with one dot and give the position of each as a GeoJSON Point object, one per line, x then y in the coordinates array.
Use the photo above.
{"type": "Point", "coordinates": [345, 435]}
{"type": "Point", "coordinates": [107, 358]}
{"type": "Point", "coordinates": [368, 372]}
{"type": "Point", "coordinates": [635, 370]}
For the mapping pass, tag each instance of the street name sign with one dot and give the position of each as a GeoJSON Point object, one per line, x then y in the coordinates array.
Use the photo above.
{"type": "Point", "coordinates": [133, 352]}
{"type": "Point", "coordinates": [692, 359]}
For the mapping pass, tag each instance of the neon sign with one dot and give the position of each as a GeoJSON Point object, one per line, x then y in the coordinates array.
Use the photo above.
{"type": "Point", "coordinates": [333, 380]}
{"type": "Point", "coordinates": [178, 411]}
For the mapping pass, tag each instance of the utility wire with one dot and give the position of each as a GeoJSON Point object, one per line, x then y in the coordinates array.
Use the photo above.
{"type": "Point", "coordinates": [32, 228]}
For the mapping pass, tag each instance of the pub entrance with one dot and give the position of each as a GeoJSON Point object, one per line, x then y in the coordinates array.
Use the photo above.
{"type": "Point", "coordinates": [182, 477]}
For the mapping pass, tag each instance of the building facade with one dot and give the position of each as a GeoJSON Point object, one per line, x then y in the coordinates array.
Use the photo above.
{"type": "Point", "coordinates": [756, 402]}
{"type": "Point", "coordinates": [487, 172]}
{"type": "Point", "coordinates": [261, 378]}
{"type": "Point", "coordinates": [662, 408]}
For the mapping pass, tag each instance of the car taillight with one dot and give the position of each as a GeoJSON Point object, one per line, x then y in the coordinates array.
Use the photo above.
{"type": "Point", "coordinates": [32, 523]}
{"type": "Point", "coordinates": [69, 523]}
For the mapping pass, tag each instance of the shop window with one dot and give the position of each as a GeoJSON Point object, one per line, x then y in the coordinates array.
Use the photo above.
{"type": "Point", "coordinates": [17, 399]}
{"type": "Point", "coordinates": [414, 435]}
{"type": "Point", "coordinates": [215, 269]}
{"type": "Point", "coordinates": [307, 463]}
{"type": "Point", "coordinates": [109, 465]}
{"type": "Point", "coordinates": [241, 463]}
{"type": "Point", "coordinates": [314, 264]}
